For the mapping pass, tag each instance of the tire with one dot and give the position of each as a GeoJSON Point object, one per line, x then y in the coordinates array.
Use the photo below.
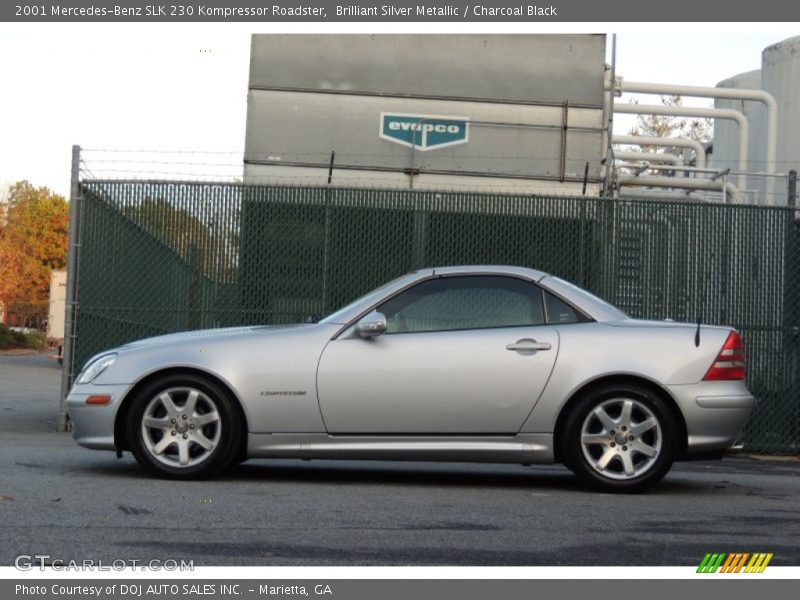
{"type": "Point", "coordinates": [620, 438]}
{"type": "Point", "coordinates": [184, 427]}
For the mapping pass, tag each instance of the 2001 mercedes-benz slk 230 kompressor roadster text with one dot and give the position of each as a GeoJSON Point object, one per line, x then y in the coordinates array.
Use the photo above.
{"type": "Point", "coordinates": [487, 363]}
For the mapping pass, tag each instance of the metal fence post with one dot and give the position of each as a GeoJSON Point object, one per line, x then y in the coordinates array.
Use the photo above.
{"type": "Point", "coordinates": [608, 160]}
{"type": "Point", "coordinates": [71, 311]}
{"type": "Point", "coordinates": [791, 199]}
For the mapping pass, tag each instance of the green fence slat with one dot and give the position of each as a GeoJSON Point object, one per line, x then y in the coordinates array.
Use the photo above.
{"type": "Point", "coordinates": [159, 257]}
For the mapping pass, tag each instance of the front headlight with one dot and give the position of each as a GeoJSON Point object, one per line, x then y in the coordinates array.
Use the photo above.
{"type": "Point", "coordinates": [97, 366]}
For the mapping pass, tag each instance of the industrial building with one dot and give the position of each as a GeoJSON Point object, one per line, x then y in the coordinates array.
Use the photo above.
{"type": "Point", "coordinates": [779, 77]}
{"type": "Point", "coordinates": [506, 114]}
{"type": "Point", "coordinates": [512, 113]}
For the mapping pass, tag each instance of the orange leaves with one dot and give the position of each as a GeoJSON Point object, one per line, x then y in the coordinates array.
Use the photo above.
{"type": "Point", "coordinates": [33, 240]}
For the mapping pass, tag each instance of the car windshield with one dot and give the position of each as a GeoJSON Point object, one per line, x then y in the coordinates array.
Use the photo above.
{"type": "Point", "coordinates": [340, 316]}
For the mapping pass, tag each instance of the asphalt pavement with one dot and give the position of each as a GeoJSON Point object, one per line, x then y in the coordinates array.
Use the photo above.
{"type": "Point", "coordinates": [74, 504]}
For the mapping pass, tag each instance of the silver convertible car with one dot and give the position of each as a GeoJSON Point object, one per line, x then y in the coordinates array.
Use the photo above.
{"type": "Point", "coordinates": [481, 363]}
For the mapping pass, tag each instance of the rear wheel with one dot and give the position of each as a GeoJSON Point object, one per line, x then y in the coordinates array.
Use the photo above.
{"type": "Point", "coordinates": [184, 427]}
{"type": "Point", "coordinates": [620, 438]}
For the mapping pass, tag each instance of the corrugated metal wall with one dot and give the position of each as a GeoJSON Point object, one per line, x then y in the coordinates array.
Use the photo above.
{"type": "Point", "coordinates": [533, 106]}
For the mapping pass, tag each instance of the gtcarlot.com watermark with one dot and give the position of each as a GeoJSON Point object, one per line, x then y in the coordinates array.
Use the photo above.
{"type": "Point", "coordinates": [42, 562]}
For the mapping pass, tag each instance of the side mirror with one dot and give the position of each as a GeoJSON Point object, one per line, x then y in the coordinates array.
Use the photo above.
{"type": "Point", "coordinates": [371, 325]}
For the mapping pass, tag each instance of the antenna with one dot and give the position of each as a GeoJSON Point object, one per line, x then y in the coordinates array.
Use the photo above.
{"type": "Point", "coordinates": [701, 308]}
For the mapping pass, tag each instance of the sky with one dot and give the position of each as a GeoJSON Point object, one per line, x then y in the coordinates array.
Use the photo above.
{"type": "Point", "coordinates": [184, 87]}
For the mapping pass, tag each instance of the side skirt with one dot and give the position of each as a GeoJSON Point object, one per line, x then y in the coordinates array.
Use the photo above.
{"type": "Point", "coordinates": [527, 448]}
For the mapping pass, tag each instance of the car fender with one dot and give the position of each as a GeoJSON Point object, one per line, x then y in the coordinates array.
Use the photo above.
{"type": "Point", "coordinates": [271, 374]}
{"type": "Point", "coordinates": [584, 356]}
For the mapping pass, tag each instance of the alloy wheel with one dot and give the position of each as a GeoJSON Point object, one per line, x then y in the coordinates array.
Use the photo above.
{"type": "Point", "coordinates": [181, 427]}
{"type": "Point", "coordinates": [621, 438]}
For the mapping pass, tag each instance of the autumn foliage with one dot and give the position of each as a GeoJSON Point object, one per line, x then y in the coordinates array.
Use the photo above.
{"type": "Point", "coordinates": [33, 241]}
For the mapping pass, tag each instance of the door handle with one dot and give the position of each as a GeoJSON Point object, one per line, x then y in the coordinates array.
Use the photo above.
{"type": "Point", "coordinates": [529, 345]}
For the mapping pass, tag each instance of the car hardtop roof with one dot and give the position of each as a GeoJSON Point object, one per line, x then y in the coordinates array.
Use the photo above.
{"type": "Point", "coordinates": [532, 274]}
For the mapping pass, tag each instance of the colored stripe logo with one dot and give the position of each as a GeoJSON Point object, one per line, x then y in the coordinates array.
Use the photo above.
{"type": "Point", "coordinates": [736, 562]}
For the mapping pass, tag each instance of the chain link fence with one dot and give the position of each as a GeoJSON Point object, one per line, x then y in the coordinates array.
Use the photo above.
{"type": "Point", "coordinates": [158, 257]}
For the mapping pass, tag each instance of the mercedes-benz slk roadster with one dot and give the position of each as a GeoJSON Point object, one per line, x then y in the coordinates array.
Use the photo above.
{"type": "Point", "coordinates": [480, 363]}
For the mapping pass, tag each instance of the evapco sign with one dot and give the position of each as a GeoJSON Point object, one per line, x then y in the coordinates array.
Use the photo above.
{"type": "Point", "coordinates": [424, 132]}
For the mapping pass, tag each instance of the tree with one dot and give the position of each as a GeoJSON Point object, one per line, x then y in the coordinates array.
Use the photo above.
{"type": "Point", "coordinates": [33, 241]}
{"type": "Point", "coordinates": [697, 129]}
{"type": "Point", "coordinates": [192, 233]}
{"type": "Point", "coordinates": [181, 230]}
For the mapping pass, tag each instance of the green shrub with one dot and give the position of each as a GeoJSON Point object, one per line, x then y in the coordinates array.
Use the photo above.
{"type": "Point", "coordinates": [10, 340]}
{"type": "Point", "coordinates": [36, 340]}
{"type": "Point", "coordinates": [6, 337]}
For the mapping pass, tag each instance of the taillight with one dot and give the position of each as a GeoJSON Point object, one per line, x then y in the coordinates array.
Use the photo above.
{"type": "Point", "coordinates": [729, 363]}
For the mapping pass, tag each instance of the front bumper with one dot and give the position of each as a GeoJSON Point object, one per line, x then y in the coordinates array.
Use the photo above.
{"type": "Point", "coordinates": [93, 425]}
{"type": "Point", "coordinates": [715, 413]}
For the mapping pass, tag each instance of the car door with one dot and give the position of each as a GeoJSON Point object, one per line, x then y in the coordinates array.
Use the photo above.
{"type": "Point", "coordinates": [461, 355]}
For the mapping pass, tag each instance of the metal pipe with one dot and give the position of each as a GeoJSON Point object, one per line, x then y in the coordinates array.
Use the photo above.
{"type": "Point", "coordinates": [662, 157]}
{"type": "Point", "coordinates": [708, 113]}
{"type": "Point", "coordinates": [608, 107]}
{"type": "Point", "coordinates": [725, 187]}
{"type": "Point", "coordinates": [765, 98]}
{"type": "Point", "coordinates": [716, 172]}
{"type": "Point", "coordinates": [564, 131]}
{"type": "Point", "coordinates": [71, 308]}
{"type": "Point", "coordinates": [657, 195]}
{"type": "Point", "coordinates": [644, 140]}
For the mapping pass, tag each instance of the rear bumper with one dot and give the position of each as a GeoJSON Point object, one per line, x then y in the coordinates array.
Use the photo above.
{"type": "Point", "coordinates": [715, 413]}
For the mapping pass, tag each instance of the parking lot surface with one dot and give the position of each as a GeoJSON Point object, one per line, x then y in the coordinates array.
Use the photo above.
{"type": "Point", "coordinates": [74, 504]}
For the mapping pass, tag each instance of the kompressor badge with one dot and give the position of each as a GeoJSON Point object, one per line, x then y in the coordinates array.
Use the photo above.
{"type": "Point", "coordinates": [424, 132]}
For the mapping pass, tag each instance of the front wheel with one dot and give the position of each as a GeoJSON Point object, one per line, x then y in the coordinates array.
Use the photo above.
{"type": "Point", "coordinates": [184, 427]}
{"type": "Point", "coordinates": [620, 438]}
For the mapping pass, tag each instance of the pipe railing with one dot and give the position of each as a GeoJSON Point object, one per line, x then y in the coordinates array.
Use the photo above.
{"type": "Point", "coordinates": [639, 87]}
{"type": "Point", "coordinates": [661, 142]}
{"type": "Point", "coordinates": [719, 185]}
{"type": "Point", "coordinates": [659, 157]}
{"type": "Point", "coordinates": [709, 113]}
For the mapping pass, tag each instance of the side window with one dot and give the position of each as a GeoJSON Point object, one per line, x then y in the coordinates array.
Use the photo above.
{"type": "Point", "coordinates": [451, 303]}
{"type": "Point", "coordinates": [558, 311]}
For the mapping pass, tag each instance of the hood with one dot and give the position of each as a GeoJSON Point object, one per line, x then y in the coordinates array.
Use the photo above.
{"type": "Point", "coordinates": [205, 335]}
